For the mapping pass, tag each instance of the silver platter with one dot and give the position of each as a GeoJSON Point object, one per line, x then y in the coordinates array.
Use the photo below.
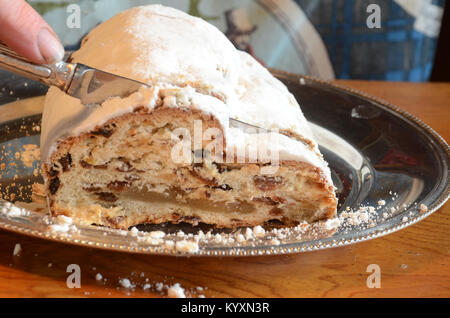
{"type": "Point", "coordinates": [376, 151]}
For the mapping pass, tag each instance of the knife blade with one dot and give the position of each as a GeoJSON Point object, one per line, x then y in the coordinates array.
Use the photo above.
{"type": "Point", "coordinates": [91, 86]}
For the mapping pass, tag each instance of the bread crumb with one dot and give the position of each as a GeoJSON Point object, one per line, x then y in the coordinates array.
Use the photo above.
{"type": "Point", "coordinates": [62, 219]}
{"type": "Point", "coordinates": [331, 224]}
{"type": "Point", "coordinates": [31, 154]}
{"type": "Point", "coordinates": [176, 291]}
{"type": "Point", "coordinates": [423, 208]}
{"type": "Point", "coordinates": [62, 224]}
{"type": "Point", "coordinates": [258, 231]}
{"type": "Point", "coordinates": [125, 283]}
{"type": "Point", "coordinates": [169, 244]}
{"type": "Point", "coordinates": [159, 287]}
{"type": "Point", "coordinates": [134, 231]}
{"type": "Point", "coordinates": [17, 249]}
{"type": "Point", "coordinates": [186, 246]}
{"type": "Point", "coordinates": [157, 234]}
{"type": "Point", "coordinates": [248, 233]}
{"type": "Point", "coordinates": [240, 238]}
{"type": "Point", "coordinates": [63, 228]}
{"type": "Point", "coordinates": [98, 276]}
{"type": "Point", "coordinates": [275, 242]}
{"type": "Point", "coordinates": [13, 211]}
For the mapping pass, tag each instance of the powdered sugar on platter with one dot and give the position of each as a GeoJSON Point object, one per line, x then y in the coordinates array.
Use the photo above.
{"type": "Point", "coordinates": [191, 242]}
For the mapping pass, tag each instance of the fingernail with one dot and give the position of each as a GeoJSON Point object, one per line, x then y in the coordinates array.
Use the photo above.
{"type": "Point", "coordinates": [51, 49]}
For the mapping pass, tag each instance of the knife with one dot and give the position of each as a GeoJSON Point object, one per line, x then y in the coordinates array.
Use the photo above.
{"type": "Point", "coordinates": [91, 86]}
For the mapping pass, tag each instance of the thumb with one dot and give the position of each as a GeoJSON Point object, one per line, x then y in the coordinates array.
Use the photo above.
{"type": "Point", "coordinates": [26, 32]}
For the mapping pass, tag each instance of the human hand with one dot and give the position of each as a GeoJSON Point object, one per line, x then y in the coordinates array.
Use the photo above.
{"type": "Point", "coordinates": [26, 32]}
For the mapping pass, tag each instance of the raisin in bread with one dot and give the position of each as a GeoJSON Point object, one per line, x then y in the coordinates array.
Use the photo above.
{"type": "Point", "coordinates": [120, 163]}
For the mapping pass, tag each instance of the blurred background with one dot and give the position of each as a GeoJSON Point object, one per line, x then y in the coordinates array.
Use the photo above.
{"type": "Point", "coordinates": [392, 40]}
{"type": "Point", "coordinates": [395, 40]}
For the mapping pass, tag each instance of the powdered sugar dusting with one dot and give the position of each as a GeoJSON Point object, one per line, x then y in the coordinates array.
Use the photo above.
{"type": "Point", "coordinates": [11, 210]}
{"type": "Point", "coordinates": [176, 291]}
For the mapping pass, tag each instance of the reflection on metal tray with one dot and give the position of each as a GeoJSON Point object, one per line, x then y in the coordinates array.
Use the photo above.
{"type": "Point", "coordinates": [376, 152]}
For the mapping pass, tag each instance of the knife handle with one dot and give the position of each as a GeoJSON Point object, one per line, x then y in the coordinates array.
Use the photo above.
{"type": "Point", "coordinates": [59, 74]}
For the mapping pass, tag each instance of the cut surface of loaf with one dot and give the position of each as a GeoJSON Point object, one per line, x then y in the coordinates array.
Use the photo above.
{"type": "Point", "coordinates": [167, 153]}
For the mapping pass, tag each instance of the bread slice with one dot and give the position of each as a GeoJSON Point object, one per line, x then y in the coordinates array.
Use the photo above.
{"type": "Point", "coordinates": [167, 153]}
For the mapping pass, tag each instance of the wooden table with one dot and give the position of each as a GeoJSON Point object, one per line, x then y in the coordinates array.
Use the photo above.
{"type": "Point", "coordinates": [414, 262]}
